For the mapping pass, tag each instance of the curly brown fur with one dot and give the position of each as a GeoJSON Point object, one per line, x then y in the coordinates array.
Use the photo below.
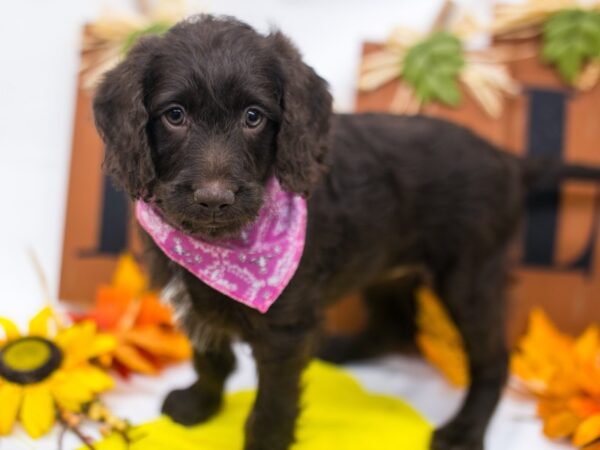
{"type": "Point", "coordinates": [398, 192]}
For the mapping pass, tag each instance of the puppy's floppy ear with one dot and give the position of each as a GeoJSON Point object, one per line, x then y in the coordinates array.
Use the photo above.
{"type": "Point", "coordinates": [302, 139]}
{"type": "Point", "coordinates": [121, 119]}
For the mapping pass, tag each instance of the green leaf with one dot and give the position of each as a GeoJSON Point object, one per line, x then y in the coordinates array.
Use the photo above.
{"type": "Point", "coordinates": [571, 38]}
{"type": "Point", "coordinates": [432, 67]}
{"type": "Point", "coordinates": [446, 90]}
{"type": "Point", "coordinates": [156, 28]}
{"type": "Point", "coordinates": [569, 66]}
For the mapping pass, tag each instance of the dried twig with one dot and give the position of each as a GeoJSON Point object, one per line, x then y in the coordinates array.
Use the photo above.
{"type": "Point", "coordinates": [71, 423]}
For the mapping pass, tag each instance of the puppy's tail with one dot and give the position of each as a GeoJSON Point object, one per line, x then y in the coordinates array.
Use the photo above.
{"type": "Point", "coordinates": [543, 172]}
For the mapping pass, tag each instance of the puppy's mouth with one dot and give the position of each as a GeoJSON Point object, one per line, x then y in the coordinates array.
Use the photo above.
{"type": "Point", "coordinates": [185, 215]}
{"type": "Point", "coordinates": [213, 229]}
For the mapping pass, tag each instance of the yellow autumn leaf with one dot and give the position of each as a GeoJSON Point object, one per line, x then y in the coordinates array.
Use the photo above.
{"type": "Point", "coordinates": [439, 339]}
{"type": "Point", "coordinates": [561, 425]}
{"type": "Point", "coordinates": [587, 432]}
{"type": "Point", "coordinates": [129, 276]}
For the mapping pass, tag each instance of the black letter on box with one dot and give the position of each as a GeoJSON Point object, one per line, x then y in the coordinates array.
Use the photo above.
{"type": "Point", "coordinates": [547, 119]}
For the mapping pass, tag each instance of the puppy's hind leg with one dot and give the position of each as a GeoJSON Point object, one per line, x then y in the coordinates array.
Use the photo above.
{"type": "Point", "coordinates": [202, 400]}
{"type": "Point", "coordinates": [391, 309]}
{"type": "Point", "coordinates": [474, 293]}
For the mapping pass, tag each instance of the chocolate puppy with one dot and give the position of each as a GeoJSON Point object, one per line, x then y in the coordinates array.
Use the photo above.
{"type": "Point", "coordinates": [216, 129]}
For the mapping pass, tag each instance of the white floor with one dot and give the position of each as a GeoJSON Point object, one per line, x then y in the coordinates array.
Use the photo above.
{"type": "Point", "coordinates": [514, 426]}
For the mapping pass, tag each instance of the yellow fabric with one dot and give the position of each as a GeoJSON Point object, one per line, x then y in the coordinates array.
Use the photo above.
{"type": "Point", "coordinates": [337, 414]}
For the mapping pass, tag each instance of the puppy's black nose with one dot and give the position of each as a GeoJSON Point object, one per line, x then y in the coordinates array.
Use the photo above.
{"type": "Point", "coordinates": [214, 197]}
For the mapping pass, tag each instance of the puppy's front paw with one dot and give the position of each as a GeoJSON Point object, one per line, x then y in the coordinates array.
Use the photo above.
{"type": "Point", "coordinates": [453, 437]}
{"type": "Point", "coordinates": [190, 406]}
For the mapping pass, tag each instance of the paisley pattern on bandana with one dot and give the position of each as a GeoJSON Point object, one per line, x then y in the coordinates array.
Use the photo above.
{"type": "Point", "coordinates": [253, 268]}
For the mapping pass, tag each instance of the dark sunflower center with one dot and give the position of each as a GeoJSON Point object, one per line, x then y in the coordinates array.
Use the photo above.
{"type": "Point", "coordinates": [29, 360]}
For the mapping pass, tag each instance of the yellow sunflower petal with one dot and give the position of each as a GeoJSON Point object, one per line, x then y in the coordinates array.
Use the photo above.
{"type": "Point", "coordinates": [37, 411]}
{"type": "Point", "coordinates": [38, 325]}
{"type": "Point", "coordinates": [76, 342]}
{"type": "Point", "coordinates": [587, 432]}
{"type": "Point", "coordinates": [10, 329]}
{"type": "Point", "coordinates": [69, 393]}
{"type": "Point", "coordinates": [76, 336]}
{"type": "Point", "coordinates": [71, 396]}
{"type": "Point", "coordinates": [10, 399]}
{"type": "Point", "coordinates": [72, 388]}
{"type": "Point", "coordinates": [101, 345]}
{"type": "Point", "coordinates": [95, 379]}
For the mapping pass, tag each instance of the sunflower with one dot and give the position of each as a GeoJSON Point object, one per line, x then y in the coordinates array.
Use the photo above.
{"type": "Point", "coordinates": [48, 370]}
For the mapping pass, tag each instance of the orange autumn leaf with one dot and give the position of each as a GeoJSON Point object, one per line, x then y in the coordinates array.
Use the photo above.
{"type": "Point", "coordinates": [153, 311]}
{"type": "Point", "coordinates": [131, 358]}
{"type": "Point", "coordinates": [541, 353]}
{"type": "Point", "coordinates": [584, 406]}
{"type": "Point", "coordinates": [550, 406]}
{"type": "Point", "coordinates": [564, 373]}
{"type": "Point", "coordinates": [439, 339]}
{"type": "Point", "coordinates": [561, 425]}
{"type": "Point", "coordinates": [160, 342]}
{"type": "Point", "coordinates": [142, 324]}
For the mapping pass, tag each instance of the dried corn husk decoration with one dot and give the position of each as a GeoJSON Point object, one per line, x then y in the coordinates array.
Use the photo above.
{"type": "Point", "coordinates": [525, 19]}
{"type": "Point", "coordinates": [570, 32]}
{"type": "Point", "coordinates": [484, 75]}
{"type": "Point", "coordinates": [108, 39]}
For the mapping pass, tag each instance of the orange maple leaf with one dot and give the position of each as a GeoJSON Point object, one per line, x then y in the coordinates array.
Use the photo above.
{"type": "Point", "coordinates": [143, 325]}
{"type": "Point", "coordinates": [564, 374]}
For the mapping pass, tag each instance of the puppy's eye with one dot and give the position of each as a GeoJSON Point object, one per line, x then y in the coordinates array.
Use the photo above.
{"type": "Point", "coordinates": [175, 116]}
{"type": "Point", "coordinates": [253, 117]}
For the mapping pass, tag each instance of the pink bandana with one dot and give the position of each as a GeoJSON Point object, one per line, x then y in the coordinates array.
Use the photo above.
{"type": "Point", "coordinates": [253, 268]}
